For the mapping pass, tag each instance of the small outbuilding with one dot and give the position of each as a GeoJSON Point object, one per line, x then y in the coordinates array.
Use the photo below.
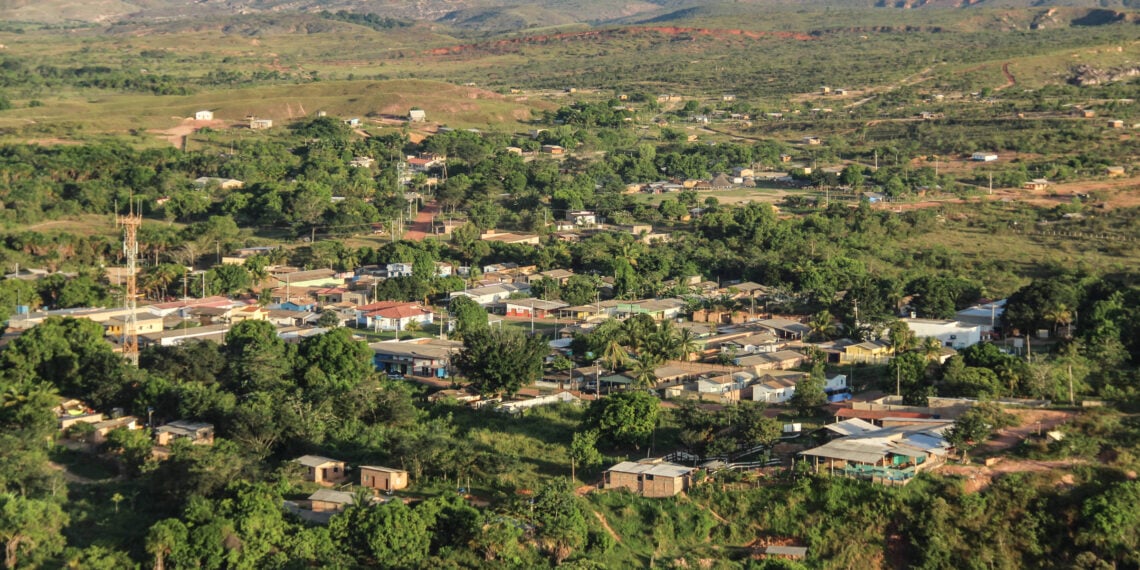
{"type": "Point", "coordinates": [322, 470]}
{"type": "Point", "coordinates": [649, 477]}
{"type": "Point", "coordinates": [329, 501]}
{"type": "Point", "coordinates": [383, 478]}
{"type": "Point", "coordinates": [204, 116]}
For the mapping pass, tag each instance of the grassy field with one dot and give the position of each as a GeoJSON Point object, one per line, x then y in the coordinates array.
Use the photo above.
{"type": "Point", "coordinates": [135, 115]}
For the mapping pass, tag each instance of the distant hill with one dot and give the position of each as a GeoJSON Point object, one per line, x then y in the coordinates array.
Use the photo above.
{"type": "Point", "coordinates": [485, 15]}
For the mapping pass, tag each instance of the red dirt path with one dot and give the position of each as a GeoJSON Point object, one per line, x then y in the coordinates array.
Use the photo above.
{"type": "Point", "coordinates": [421, 227]}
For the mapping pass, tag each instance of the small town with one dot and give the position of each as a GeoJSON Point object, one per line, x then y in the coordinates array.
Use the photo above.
{"type": "Point", "coordinates": [603, 284]}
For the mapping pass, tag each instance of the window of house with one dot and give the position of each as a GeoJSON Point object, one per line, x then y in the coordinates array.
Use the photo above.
{"type": "Point", "coordinates": [648, 477]}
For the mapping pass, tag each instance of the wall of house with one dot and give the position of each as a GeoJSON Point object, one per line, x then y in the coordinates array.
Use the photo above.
{"type": "Point", "coordinates": [383, 480]}
{"type": "Point", "coordinates": [658, 486]}
{"type": "Point", "coordinates": [325, 507]}
{"type": "Point", "coordinates": [329, 473]}
{"type": "Point", "coordinates": [615, 480]}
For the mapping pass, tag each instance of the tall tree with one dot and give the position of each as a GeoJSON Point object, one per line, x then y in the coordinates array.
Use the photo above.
{"type": "Point", "coordinates": [626, 418]}
{"type": "Point", "coordinates": [561, 524]}
{"type": "Point", "coordinates": [30, 529]}
{"type": "Point", "coordinates": [501, 361]}
{"type": "Point", "coordinates": [583, 451]}
{"type": "Point", "coordinates": [165, 538]}
{"type": "Point", "coordinates": [257, 358]}
{"type": "Point", "coordinates": [469, 316]}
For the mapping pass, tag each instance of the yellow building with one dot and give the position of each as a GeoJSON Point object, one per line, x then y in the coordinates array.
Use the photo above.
{"type": "Point", "coordinates": [873, 352]}
{"type": "Point", "coordinates": [145, 323]}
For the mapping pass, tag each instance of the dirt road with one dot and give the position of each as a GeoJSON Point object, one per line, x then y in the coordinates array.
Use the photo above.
{"type": "Point", "coordinates": [421, 227]}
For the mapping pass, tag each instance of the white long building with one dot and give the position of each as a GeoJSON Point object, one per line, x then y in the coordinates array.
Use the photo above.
{"type": "Point", "coordinates": [954, 334]}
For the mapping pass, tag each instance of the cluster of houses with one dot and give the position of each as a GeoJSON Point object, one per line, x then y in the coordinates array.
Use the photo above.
{"type": "Point", "coordinates": [334, 475]}
{"type": "Point", "coordinates": [73, 415]}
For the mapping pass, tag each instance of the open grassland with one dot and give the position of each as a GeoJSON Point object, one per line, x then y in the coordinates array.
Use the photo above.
{"type": "Point", "coordinates": [80, 118]}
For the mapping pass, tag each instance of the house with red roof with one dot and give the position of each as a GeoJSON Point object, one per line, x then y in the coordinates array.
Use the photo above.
{"type": "Point", "coordinates": [392, 315]}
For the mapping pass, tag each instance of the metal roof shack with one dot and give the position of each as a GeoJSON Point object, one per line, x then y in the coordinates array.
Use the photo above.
{"type": "Point", "coordinates": [649, 478]}
{"type": "Point", "coordinates": [786, 551]}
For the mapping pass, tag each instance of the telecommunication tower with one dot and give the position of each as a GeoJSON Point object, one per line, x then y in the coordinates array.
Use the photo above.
{"type": "Point", "coordinates": [130, 223]}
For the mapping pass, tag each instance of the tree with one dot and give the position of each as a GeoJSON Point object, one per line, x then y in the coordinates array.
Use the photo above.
{"type": "Point", "coordinates": [1111, 522]}
{"type": "Point", "coordinates": [822, 326]}
{"type": "Point", "coordinates": [583, 451]}
{"type": "Point", "coordinates": [469, 316]}
{"type": "Point", "coordinates": [614, 353]}
{"type": "Point", "coordinates": [579, 290]}
{"type": "Point", "coordinates": [644, 375]}
{"type": "Point", "coordinates": [71, 354]}
{"type": "Point", "coordinates": [393, 535]}
{"type": "Point", "coordinates": [228, 279]}
{"type": "Point", "coordinates": [257, 357]}
{"type": "Point", "coordinates": [908, 371]}
{"type": "Point", "coordinates": [901, 337]}
{"type": "Point", "coordinates": [751, 427]}
{"type": "Point", "coordinates": [498, 539]}
{"type": "Point", "coordinates": [561, 525]}
{"type": "Point", "coordinates": [329, 319]}
{"type": "Point", "coordinates": [30, 529]}
{"type": "Point", "coordinates": [687, 344]}
{"type": "Point", "coordinates": [1060, 316]}
{"type": "Point", "coordinates": [809, 394]}
{"type": "Point", "coordinates": [627, 418]}
{"type": "Point", "coordinates": [134, 446]}
{"type": "Point", "coordinates": [931, 349]}
{"type": "Point", "coordinates": [501, 361]}
{"type": "Point", "coordinates": [332, 363]}
{"type": "Point", "coordinates": [853, 176]}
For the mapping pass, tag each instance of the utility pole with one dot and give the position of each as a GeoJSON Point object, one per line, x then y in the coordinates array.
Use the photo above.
{"type": "Point", "coordinates": [1072, 400]}
{"type": "Point", "coordinates": [898, 380]}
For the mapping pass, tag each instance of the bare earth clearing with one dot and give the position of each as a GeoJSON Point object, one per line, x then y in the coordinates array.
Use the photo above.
{"type": "Point", "coordinates": [979, 476]}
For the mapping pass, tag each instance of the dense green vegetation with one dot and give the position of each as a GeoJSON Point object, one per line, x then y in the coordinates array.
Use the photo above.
{"type": "Point", "coordinates": [493, 490]}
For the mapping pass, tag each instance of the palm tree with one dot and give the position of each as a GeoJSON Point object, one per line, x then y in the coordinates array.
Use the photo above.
{"type": "Point", "coordinates": [901, 337]}
{"type": "Point", "coordinates": [163, 538]}
{"type": "Point", "coordinates": [687, 344]}
{"type": "Point", "coordinates": [1060, 315]}
{"type": "Point", "coordinates": [644, 375]}
{"type": "Point", "coordinates": [615, 354]}
{"type": "Point", "coordinates": [931, 348]}
{"type": "Point", "coordinates": [821, 325]}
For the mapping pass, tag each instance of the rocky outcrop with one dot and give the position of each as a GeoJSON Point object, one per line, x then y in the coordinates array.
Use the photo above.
{"type": "Point", "coordinates": [1085, 75]}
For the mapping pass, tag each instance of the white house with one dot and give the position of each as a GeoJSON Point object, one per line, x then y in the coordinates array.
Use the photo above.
{"type": "Point", "coordinates": [984, 157]}
{"type": "Point", "coordinates": [774, 390]}
{"type": "Point", "coordinates": [987, 315]}
{"type": "Point", "coordinates": [836, 383]}
{"type": "Point", "coordinates": [582, 217]}
{"type": "Point", "coordinates": [399, 269]}
{"type": "Point", "coordinates": [204, 116]}
{"type": "Point", "coordinates": [392, 316]}
{"type": "Point", "coordinates": [760, 342]}
{"type": "Point", "coordinates": [954, 334]}
{"type": "Point", "coordinates": [492, 294]}
{"type": "Point", "coordinates": [417, 116]}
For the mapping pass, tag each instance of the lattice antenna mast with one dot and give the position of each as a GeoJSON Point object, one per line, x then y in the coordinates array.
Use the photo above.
{"type": "Point", "coordinates": [130, 224]}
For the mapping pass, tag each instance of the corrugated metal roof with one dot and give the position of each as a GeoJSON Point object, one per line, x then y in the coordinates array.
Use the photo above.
{"type": "Point", "coordinates": [330, 496]}
{"type": "Point", "coordinates": [314, 460]}
{"type": "Point", "coordinates": [663, 469]}
{"type": "Point", "coordinates": [851, 427]}
{"type": "Point", "coordinates": [797, 551]}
